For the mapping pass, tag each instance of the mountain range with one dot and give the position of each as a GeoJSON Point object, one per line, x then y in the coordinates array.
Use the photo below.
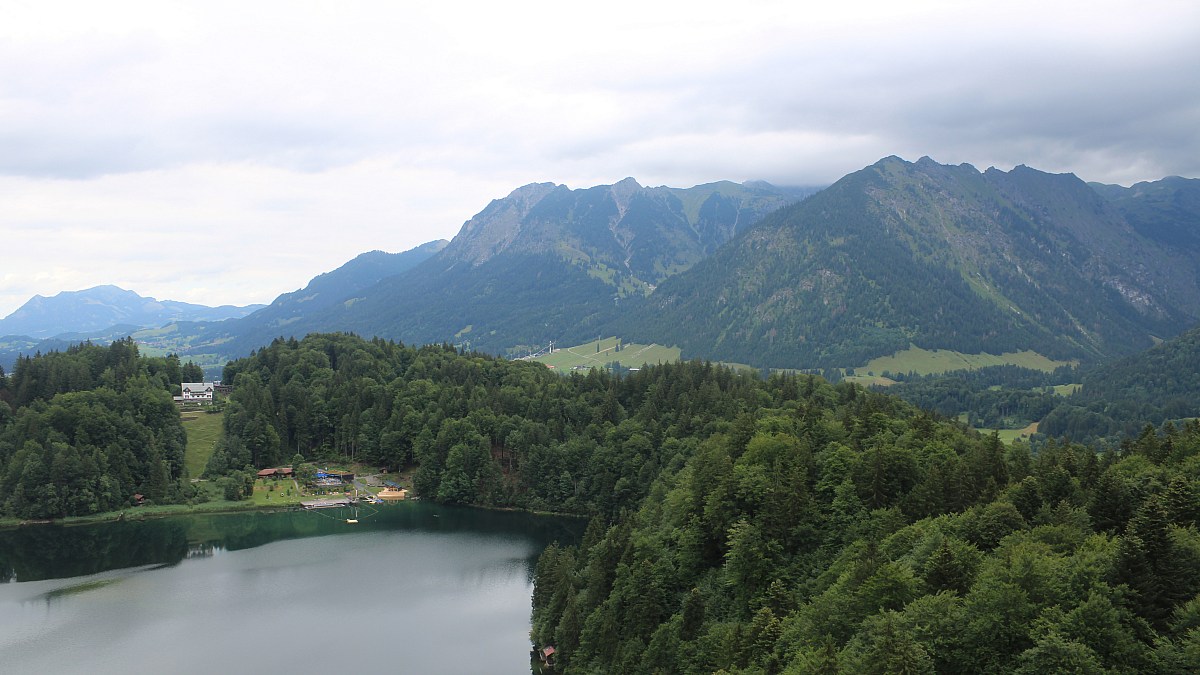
{"type": "Point", "coordinates": [894, 255]}
{"type": "Point", "coordinates": [544, 263]}
{"type": "Point", "coordinates": [937, 256]}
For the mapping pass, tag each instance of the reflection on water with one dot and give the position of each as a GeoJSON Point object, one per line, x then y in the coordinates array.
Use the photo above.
{"type": "Point", "coordinates": [414, 588]}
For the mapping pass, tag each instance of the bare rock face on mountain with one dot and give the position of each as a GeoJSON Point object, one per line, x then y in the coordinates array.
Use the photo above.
{"type": "Point", "coordinates": [631, 237]}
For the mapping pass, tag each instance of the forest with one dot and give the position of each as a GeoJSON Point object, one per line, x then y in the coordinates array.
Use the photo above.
{"type": "Point", "coordinates": [1117, 399]}
{"type": "Point", "coordinates": [85, 429]}
{"type": "Point", "coordinates": [738, 524]}
{"type": "Point", "coordinates": [994, 397]}
{"type": "Point", "coordinates": [841, 531]}
{"type": "Point", "coordinates": [767, 526]}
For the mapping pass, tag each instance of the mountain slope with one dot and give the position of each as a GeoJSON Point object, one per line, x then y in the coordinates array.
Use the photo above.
{"type": "Point", "coordinates": [547, 262]}
{"type": "Point", "coordinates": [632, 237]}
{"type": "Point", "coordinates": [294, 311]}
{"type": "Point", "coordinates": [939, 256]}
{"type": "Point", "coordinates": [1166, 211]}
{"type": "Point", "coordinates": [100, 307]}
{"type": "Point", "coordinates": [1120, 397]}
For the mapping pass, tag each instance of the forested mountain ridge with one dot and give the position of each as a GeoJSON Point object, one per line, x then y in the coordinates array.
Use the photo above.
{"type": "Point", "coordinates": [939, 256]}
{"type": "Point", "coordinates": [295, 312]}
{"type": "Point", "coordinates": [550, 263]}
{"type": "Point", "coordinates": [1119, 398]}
{"type": "Point", "coordinates": [101, 307]}
{"type": "Point", "coordinates": [1166, 210]}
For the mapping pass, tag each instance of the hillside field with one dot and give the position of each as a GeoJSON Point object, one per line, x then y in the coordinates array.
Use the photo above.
{"type": "Point", "coordinates": [203, 431]}
{"type": "Point", "coordinates": [600, 353]}
{"type": "Point", "coordinates": [1010, 436]}
{"type": "Point", "coordinates": [937, 361]}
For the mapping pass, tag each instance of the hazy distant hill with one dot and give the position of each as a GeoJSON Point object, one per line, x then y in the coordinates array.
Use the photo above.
{"type": "Point", "coordinates": [1167, 210]}
{"type": "Point", "coordinates": [547, 262]}
{"type": "Point", "coordinates": [939, 256]}
{"type": "Point", "coordinates": [13, 346]}
{"type": "Point", "coordinates": [102, 307]}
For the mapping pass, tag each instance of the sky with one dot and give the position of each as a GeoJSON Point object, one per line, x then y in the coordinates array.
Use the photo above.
{"type": "Point", "coordinates": [226, 152]}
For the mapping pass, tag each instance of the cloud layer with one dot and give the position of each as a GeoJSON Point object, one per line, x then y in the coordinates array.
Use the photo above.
{"type": "Point", "coordinates": [221, 152]}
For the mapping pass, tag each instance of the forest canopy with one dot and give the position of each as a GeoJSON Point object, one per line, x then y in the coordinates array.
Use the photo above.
{"type": "Point", "coordinates": [84, 430]}
{"type": "Point", "coordinates": [739, 524]}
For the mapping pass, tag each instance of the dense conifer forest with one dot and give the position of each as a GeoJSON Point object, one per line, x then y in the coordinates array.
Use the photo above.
{"type": "Point", "coordinates": [738, 524]}
{"type": "Point", "coordinates": [764, 526]}
{"type": "Point", "coordinates": [83, 430]}
{"type": "Point", "coordinates": [833, 530]}
{"type": "Point", "coordinates": [1119, 398]}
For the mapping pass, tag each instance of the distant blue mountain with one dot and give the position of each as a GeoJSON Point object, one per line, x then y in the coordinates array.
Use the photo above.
{"type": "Point", "coordinates": [102, 307]}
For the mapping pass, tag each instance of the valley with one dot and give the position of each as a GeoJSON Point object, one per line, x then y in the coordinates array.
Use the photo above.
{"type": "Point", "coordinates": [574, 339]}
{"type": "Point", "coordinates": [891, 445]}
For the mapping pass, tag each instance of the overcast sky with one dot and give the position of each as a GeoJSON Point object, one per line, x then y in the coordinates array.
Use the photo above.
{"type": "Point", "coordinates": [227, 152]}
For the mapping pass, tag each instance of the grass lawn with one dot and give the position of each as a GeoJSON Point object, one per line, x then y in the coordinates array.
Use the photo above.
{"type": "Point", "coordinates": [271, 492]}
{"type": "Point", "coordinates": [203, 432]}
{"type": "Point", "coordinates": [598, 354]}
{"type": "Point", "coordinates": [930, 362]}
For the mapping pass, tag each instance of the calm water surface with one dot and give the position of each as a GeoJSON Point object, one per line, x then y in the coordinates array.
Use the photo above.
{"type": "Point", "coordinates": [414, 588]}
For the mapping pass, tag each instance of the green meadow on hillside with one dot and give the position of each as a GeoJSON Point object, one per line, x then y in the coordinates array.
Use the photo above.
{"type": "Point", "coordinates": [600, 353]}
{"type": "Point", "coordinates": [203, 431]}
{"type": "Point", "coordinates": [932, 362]}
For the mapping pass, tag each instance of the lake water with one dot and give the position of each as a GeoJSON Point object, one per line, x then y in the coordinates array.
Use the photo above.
{"type": "Point", "coordinates": [413, 588]}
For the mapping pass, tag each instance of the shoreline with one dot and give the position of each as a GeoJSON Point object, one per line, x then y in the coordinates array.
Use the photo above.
{"type": "Point", "coordinates": [140, 513]}
{"type": "Point", "coordinates": [137, 513]}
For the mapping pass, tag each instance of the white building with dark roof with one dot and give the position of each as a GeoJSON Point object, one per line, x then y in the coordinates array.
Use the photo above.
{"type": "Point", "coordinates": [197, 392]}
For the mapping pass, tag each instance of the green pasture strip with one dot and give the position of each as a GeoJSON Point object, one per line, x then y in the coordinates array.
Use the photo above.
{"type": "Point", "coordinates": [203, 432]}
{"type": "Point", "coordinates": [936, 361]}
{"type": "Point", "coordinates": [599, 353]}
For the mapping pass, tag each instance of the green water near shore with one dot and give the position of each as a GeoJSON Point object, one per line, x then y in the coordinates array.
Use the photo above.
{"type": "Point", "coordinates": [412, 587]}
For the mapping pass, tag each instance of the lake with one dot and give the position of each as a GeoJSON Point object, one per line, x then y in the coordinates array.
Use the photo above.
{"type": "Point", "coordinates": [411, 588]}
